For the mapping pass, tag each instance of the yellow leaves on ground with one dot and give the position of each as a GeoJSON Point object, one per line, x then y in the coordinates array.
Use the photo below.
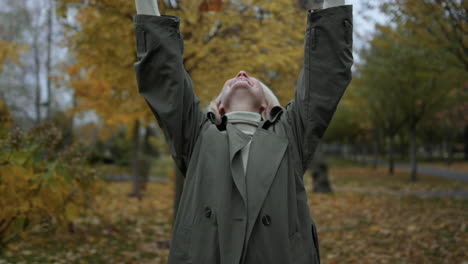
{"type": "Point", "coordinates": [362, 228]}
{"type": "Point", "coordinates": [378, 227]}
{"type": "Point", "coordinates": [123, 230]}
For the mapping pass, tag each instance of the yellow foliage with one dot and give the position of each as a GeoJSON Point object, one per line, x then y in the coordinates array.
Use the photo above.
{"type": "Point", "coordinates": [39, 184]}
{"type": "Point", "coordinates": [9, 51]}
{"type": "Point", "coordinates": [437, 25]}
{"type": "Point", "coordinates": [5, 117]}
{"type": "Point", "coordinates": [102, 75]}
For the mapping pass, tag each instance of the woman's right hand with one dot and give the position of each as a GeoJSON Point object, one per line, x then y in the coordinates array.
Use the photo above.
{"type": "Point", "coordinates": [147, 7]}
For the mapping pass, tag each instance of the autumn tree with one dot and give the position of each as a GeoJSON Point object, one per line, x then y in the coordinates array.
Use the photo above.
{"type": "Point", "coordinates": [262, 37]}
{"type": "Point", "coordinates": [9, 47]}
{"type": "Point", "coordinates": [350, 124]}
{"type": "Point", "coordinates": [8, 51]}
{"type": "Point", "coordinates": [439, 28]}
{"type": "Point", "coordinates": [439, 25]}
{"type": "Point", "coordinates": [241, 36]}
{"type": "Point", "coordinates": [453, 121]}
{"type": "Point", "coordinates": [378, 74]}
{"type": "Point", "coordinates": [405, 84]}
{"type": "Point", "coordinates": [28, 38]}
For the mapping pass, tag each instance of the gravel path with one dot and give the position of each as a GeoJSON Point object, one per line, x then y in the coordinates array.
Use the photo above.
{"type": "Point", "coordinates": [425, 169]}
{"type": "Point", "coordinates": [418, 193]}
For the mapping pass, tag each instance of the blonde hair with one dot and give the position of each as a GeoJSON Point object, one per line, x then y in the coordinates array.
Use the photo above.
{"type": "Point", "coordinates": [270, 98]}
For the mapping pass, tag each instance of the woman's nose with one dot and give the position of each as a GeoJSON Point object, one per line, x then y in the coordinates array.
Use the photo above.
{"type": "Point", "coordinates": [242, 73]}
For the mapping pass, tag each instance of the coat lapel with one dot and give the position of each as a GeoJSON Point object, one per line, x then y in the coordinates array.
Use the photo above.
{"type": "Point", "coordinates": [266, 152]}
{"type": "Point", "coordinates": [237, 140]}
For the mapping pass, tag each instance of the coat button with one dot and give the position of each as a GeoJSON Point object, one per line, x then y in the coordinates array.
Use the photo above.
{"type": "Point", "coordinates": [207, 212]}
{"type": "Point", "coordinates": [266, 220]}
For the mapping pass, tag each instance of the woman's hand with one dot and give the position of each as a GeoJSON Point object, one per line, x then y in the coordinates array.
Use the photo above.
{"type": "Point", "coordinates": [147, 7]}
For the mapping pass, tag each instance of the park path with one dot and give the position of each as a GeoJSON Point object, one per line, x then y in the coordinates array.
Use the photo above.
{"type": "Point", "coordinates": [415, 193]}
{"type": "Point", "coordinates": [426, 169]}
{"type": "Point", "coordinates": [434, 171]}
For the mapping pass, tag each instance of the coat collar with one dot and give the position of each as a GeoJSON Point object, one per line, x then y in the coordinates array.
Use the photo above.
{"type": "Point", "coordinates": [275, 114]}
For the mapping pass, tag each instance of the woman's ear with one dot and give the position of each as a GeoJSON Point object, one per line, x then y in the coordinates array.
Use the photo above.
{"type": "Point", "coordinates": [222, 110]}
{"type": "Point", "coordinates": [214, 107]}
{"type": "Point", "coordinates": [264, 111]}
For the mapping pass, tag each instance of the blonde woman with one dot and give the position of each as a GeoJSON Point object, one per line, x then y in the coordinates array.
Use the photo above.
{"type": "Point", "coordinates": [244, 200]}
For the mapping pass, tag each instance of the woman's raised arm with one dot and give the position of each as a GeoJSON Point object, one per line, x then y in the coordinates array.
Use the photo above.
{"type": "Point", "coordinates": [326, 74]}
{"type": "Point", "coordinates": [163, 81]}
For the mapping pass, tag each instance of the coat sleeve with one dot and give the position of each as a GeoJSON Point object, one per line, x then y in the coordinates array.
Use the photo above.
{"type": "Point", "coordinates": [326, 74]}
{"type": "Point", "coordinates": [165, 85]}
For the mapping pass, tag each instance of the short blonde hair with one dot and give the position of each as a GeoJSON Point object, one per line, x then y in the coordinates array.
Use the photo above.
{"type": "Point", "coordinates": [270, 98]}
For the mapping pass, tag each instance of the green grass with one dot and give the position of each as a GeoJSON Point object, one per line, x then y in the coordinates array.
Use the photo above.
{"type": "Point", "coordinates": [339, 162]}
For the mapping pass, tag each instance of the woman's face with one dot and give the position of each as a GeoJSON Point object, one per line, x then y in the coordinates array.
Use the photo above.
{"type": "Point", "coordinates": [242, 93]}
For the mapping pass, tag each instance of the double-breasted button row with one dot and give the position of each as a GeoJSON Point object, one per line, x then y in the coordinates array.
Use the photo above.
{"type": "Point", "coordinates": [266, 220]}
{"type": "Point", "coordinates": [208, 212]}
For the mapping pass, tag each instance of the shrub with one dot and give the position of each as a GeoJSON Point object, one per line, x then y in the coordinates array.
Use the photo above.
{"type": "Point", "coordinates": [40, 183]}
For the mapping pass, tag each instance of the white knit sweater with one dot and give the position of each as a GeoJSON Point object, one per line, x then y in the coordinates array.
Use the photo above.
{"type": "Point", "coordinates": [246, 122]}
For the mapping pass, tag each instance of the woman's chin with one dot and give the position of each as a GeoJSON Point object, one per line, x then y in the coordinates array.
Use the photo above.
{"type": "Point", "coordinates": [241, 84]}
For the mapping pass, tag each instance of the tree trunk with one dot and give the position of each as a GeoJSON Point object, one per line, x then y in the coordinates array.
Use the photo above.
{"type": "Point", "coordinates": [402, 146]}
{"type": "Point", "coordinates": [37, 71]}
{"type": "Point", "coordinates": [375, 150]}
{"type": "Point", "coordinates": [144, 163]}
{"type": "Point", "coordinates": [319, 170]}
{"type": "Point", "coordinates": [391, 158]}
{"type": "Point", "coordinates": [72, 119]}
{"type": "Point", "coordinates": [356, 152]}
{"type": "Point", "coordinates": [321, 184]}
{"type": "Point", "coordinates": [441, 150]}
{"type": "Point", "coordinates": [413, 152]}
{"type": "Point", "coordinates": [136, 192]}
{"type": "Point", "coordinates": [429, 147]}
{"type": "Point", "coordinates": [430, 152]}
{"type": "Point", "coordinates": [450, 152]}
{"type": "Point", "coordinates": [49, 58]}
{"type": "Point", "coordinates": [465, 139]}
{"type": "Point", "coordinates": [178, 187]}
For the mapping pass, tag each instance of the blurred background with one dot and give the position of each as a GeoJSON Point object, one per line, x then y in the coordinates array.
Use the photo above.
{"type": "Point", "coordinates": [85, 174]}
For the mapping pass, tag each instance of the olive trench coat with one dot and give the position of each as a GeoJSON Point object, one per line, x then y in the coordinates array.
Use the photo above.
{"type": "Point", "coordinates": [224, 216]}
